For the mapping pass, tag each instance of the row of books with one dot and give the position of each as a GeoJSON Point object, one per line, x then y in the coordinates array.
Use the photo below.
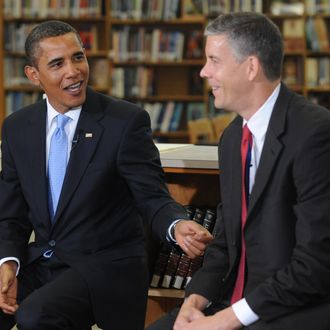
{"type": "Point", "coordinates": [317, 7]}
{"type": "Point", "coordinates": [171, 9]}
{"type": "Point", "coordinates": [141, 44]}
{"type": "Point", "coordinates": [173, 268]}
{"type": "Point", "coordinates": [132, 82]}
{"type": "Point", "coordinates": [317, 71]}
{"type": "Point", "coordinates": [16, 34]}
{"type": "Point", "coordinates": [51, 8]}
{"type": "Point", "coordinates": [139, 81]}
{"type": "Point", "coordinates": [146, 9]}
{"type": "Point", "coordinates": [14, 72]}
{"type": "Point", "coordinates": [315, 29]}
{"type": "Point", "coordinates": [309, 7]}
{"type": "Point", "coordinates": [99, 70]}
{"type": "Point", "coordinates": [193, 8]}
{"type": "Point", "coordinates": [293, 31]}
{"type": "Point", "coordinates": [292, 71]}
{"type": "Point", "coordinates": [17, 100]}
{"type": "Point", "coordinates": [317, 34]}
{"type": "Point", "coordinates": [171, 116]}
{"type": "Point", "coordinates": [166, 116]}
{"type": "Point", "coordinates": [89, 37]}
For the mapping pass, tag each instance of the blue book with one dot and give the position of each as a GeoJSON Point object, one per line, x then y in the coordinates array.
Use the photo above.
{"type": "Point", "coordinates": [176, 118]}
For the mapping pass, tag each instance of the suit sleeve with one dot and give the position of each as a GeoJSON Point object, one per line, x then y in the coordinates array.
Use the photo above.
{"type": "Point", "coordinates": [306, 278]}
{"type": "Point", "coordinates": [15, 228]}
{"type": "Point", "coordinates": [139, 164]}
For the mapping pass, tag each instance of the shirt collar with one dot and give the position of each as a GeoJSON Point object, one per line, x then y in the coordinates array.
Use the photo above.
{"type": "Point", "coordinates": [258, 123]}
{"type": "Point", "coordinates": [74, 113]}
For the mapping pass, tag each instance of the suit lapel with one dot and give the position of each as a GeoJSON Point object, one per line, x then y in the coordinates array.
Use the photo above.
{"type": "Point", "coordinates": [270, 153]}
{"type": "Point", "coordinates": [236, 172]}
{"type": "Point", "coordinates": [272, 146]}
{"type": "Point", "coordinates": [36, 140]}
{"type": "Point", "coordinates": [89, 132]}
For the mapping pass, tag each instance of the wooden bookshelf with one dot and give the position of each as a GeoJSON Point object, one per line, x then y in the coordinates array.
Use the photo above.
{"type": "Point", "coordinates": [169, 79]}
{"type": "Point", "coordinates": [191, 180]}
{"type": "Point", "coordinates": [193, 186]}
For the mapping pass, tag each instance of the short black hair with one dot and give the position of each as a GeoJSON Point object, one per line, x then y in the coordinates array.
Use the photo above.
{"type": "Point", "coordinates": [44, 30]}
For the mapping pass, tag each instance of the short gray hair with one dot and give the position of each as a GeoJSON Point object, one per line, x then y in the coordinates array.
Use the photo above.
{"type": "Point", "coordinates": [252, 34]}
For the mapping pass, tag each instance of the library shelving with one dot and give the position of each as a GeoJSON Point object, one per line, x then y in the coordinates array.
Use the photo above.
{"type": "Point", "coordinates": [151, 52]}
{"type": "Point", "coordinates": [192, 180]}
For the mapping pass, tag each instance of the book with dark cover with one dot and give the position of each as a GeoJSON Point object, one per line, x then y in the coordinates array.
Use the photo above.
{"type": "Point", "coordinates": [171, 267]}
{"type": "Point", "coordinates": [160, 266]}
{"type": "Point", "coordinates": [209, 220]}
{"type": "Point", "coordinates": [195, 264]}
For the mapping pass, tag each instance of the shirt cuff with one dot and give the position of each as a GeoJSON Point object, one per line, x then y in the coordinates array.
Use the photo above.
{"type": "Point", "coordinates": [244, 312]}
{"type": "Point", "coordinates": [170, 229]}
{"type": "Point", "coordinates": [3, 260]}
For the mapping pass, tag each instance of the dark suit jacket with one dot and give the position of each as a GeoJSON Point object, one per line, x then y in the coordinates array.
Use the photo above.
{"type": "Point", "coordinates": [113, 180]}
{"type": "Point", "coordinates": [287, 232]}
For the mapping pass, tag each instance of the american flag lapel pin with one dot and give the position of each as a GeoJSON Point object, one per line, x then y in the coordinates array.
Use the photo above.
{"type": "Point", "coordinates": [88, 135]}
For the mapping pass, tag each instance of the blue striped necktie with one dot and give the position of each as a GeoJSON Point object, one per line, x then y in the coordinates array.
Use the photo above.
{"type": "Point", "coordinates": [57, 161]}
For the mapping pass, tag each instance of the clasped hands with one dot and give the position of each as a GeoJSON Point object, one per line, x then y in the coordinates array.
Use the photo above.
{"type": "Point", "coordinates": [192, 237]}
{"type": "Point", "coordinates": [8, 287]}
{"type": "Point", "coordinates": [191, 317]}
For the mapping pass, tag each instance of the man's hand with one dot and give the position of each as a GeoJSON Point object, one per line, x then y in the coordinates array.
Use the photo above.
{"type": "Point", "coordinates": [190, 311]}
{"type": "Point", "coordinates": [8, 287]}
{"type": "Point", "coordinates": [192, 237]}
{"type": "Point", "coordinates": [223, 320]}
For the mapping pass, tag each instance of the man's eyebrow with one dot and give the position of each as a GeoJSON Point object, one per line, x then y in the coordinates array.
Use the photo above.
{"type": "Point", "coordinates": [58, 59]}
{"type": "Point", "coordinates": [78, 53]}
{"type": "Point", "coordinates": [55, 60]}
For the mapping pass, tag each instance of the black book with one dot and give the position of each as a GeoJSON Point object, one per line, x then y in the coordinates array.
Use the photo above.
{"type": "Point", "coordinates": [160, 266]}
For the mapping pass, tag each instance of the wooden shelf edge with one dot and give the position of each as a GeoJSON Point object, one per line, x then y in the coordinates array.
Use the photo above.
{"type": "Point", "coordinates": [85, 18]}
{"type": "Point", "coordinates": [191, 170]}
{"type": "Point", "coordinates": [165, 293]}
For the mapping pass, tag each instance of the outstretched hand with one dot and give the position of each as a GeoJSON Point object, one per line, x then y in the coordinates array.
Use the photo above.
{"type": "Point", "coordinates": [192, 237]}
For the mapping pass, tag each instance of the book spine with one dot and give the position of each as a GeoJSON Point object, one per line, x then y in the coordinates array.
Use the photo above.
{"type": "Point", "coordinates": [160, 266]}
{"type": "Point", "coordinates": [171, 267]}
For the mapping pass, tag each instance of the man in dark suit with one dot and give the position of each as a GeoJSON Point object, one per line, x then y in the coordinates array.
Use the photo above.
{"type": "Point", "coordinates": [87, 262]}
{"type": "Point", "coordinates": [282, 247]}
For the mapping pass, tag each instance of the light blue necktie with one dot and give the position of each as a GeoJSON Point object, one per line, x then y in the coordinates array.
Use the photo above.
{"type": "Point", "coordinates": [57, 162]}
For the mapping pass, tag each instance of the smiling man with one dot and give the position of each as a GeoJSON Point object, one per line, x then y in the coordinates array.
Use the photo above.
{"type": "Point", "coordinates": [268, 267]}
{"type": "Point", "coordinates": [80, 170]}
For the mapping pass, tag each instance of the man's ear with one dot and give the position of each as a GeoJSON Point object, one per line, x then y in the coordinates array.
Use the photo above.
{"type": "Point", "coordinates": [253, 67]}
{"type": "Point", "coordinates": [33, 74]}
